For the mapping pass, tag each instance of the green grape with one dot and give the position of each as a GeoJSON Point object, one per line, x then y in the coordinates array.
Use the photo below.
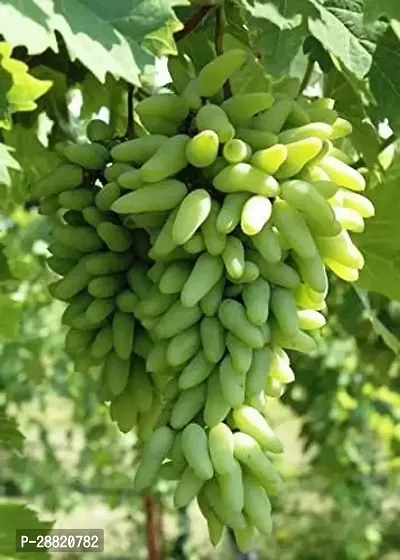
{"type": "Point", "coordinates": [340, 249]}
{"type": "Point", "coordinates": [60, 266]}
{"type": "Point", "coordinates": [256, 298]}
{"type": "Point", "coordinates": [230, 213]}
{"type": "Point", "coordinates": [257, 506]}
{"type": "Point", "coordinates": [234, 257]}
{"type": "Point", "coordinates": [273, 119]}
{"type": "Point", "coordinates": [298, 154]}
{"type": "Point", "coordinates": [103, 343]}
{"type": "Point", "coordinates": [157, 197]}
{"type": "Point", "coordinates": [74, 218]}
{"type": "Point", "coordinates": [115, 170]}
{"type": "Point", "coordinates": [241, 107]}
{"type": "Point", "coordinates": [280, 367]}
{"type": "Point", "coordinates": [188, 404]}
{"type": "Point", "coordinates": [233, 383]}
{"type": "Point", "coordinates": [284, 308]}
{"type": "Point", "coordinates": [174, 277]}
{"type": "Point", "coordinates": [202, 149]}
{"type": "Point", "coordinates": [267, 244]}
{"type": "Point", "coordinates": [309, 319]}
{"type": "Point", "coordinates": [342, 174]}
{"type": "Point", "coordinates": [292, 225]}
{"type": "Point", "coordinates": [117, 238]}
{"type": "Point", "coordinates": [213, 339]}
{"type": "Point", "coordinates": [270, 159]}
{"type": "Point", "coordinates": [196, 371]}
{"type": "Point", "coordinates": [277, 273]}
{"type": "Point", "coordinates": [236, 150]}
{"type": "Point", "coordinates": [349, 219]}
{"type": "Point", "coordinates": [231, 487]}
{"type": "Point", "coordinates": [105, 286]}
{"type": "Point", "coordinates": [233, 317]}
{"type": "Point", "coordinates": [116, 371]}
{"type": "Point", "coordinates": [195, 449]}
{"type": "Point", "coordinates": [224, 514]}
{"type": "Point", "coordinates": [177, 319]}
{"type": "Point", "coordinates": [214, 74]}
{"type": "Point", "coordinates": [313, 272]}
{"type": "Point", "coordinates": [64, 178]}
{"type": "Point", "coordinates": [154, 452]}
{"type": "Point", "coordinates": [255, 214]}
{"type": "Point", "coordinates": [206, 272]}
{"type": "Point", "coordinates": [98, 131]}
{"type": "Point", "coordinates": [214, 240]}
{"type": "Point", "coordinates": [81, 238]}
{"type": "Point", "coordinates": [220, 442]}
{"type": "Point", "coordinates": [107, 196]}
{"type": "Point", "coordinates": [183, 346]}
{"type": "Point", "coordinates": [163, 105]}
{"type": "Point", "coordinates": [178, 68]}
{"type": "Point", "coordinates": [210, 303]}
{"type": "Point", "coordinates": [212, 117]}
{"type": "Point", "coordinates": [240, 353]}
{"type": "Point", "coordinates": [89, 156]}
{"type": "Point", "coordinates": [139, 150]}
{"type": "Point", "coordinates": [49, 205]}
{"type": "Point", "coordinates": [259, 371]}
{"type": "Point", "coordinates": [195, 244]}
{"type": "Point", "coordinates": [99, 310]}
{"type": "Point", "coordinates": [249, 454]}
{"type": "Point", "coordinates": [169, 159]}
{"type": "Point", "coordinates": [123, 328]}
{"type": "Point", "coordinates": [250, 421]}
{"type": "Point", "coordinates": [257, 139]}
{"type": "Point", "coordinates": [189, 486]}
{"type": "Point", "coordinates": [341, 128]}
{"type": "Point", "coordinates": [73, 282]}
{"type": "Point", "coordinates": [108, 262]}
{"type": "Point", "coordinates": [245, 177]}
{"type": "Point", "coordinates": [93, 216]}
{"type": "Point", "coordinates": [319, 130]}
{"type": "Point", "coordinates": [192, 212]}
{"type": "Point", "coordinates": [216, 408]}
{"type": "Point", "coordinates": [357, 202]}
{"type": "Point", "coordinates": [77, 341]}
{"type": "Point", "coordinates": [76, 306]}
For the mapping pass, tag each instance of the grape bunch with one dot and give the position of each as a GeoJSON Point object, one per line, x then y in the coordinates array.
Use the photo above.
{"type": "Point", "coordinates": [192, 258]}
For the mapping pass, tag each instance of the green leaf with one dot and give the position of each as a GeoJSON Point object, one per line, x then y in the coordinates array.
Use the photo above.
{"type": "Point", "coordinates": [36, 160]}
{"type": "Point", "coordinates": [90, 30]}
{"type": "Point", "coordinates": [381, 330]}
{"type": "Point", "coordinates": [24, 88]}
{"type": "Point", "coordinates": [10, 436]}
{"type": "Point", "coordinates": [18, 516]}
{"type": "Point", "coordinates": [285, 14]}
{"type": "Point", "coordinates": [380, 243]}
{"type": "Point", "coordinates": [384, 78]}
{"type": "Point", "coordinates": [10, 317]}
{"type": "Point", "coordinates": [252, 77]}
{"type": "Point", "coordinates": [161, 42]}
{"type": "Point", "coordinates": [7, 162]}
{"type": "Point", "coordinates": [133, 18]}
{"type": "Point", "coordinates": [374, 10]}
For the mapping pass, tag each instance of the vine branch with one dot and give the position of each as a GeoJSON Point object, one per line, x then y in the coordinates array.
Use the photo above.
{"type": "Point", "coordinates": [130, 123]}
{"type": "Point", "coordinates": [151, 528]}
{"type": "Point", "coordinates": [307, 75]}
{"type": "Point", "coordinates": [193, 22]}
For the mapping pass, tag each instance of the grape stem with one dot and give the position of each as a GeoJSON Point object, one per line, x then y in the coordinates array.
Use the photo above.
{"type": "Point", "coordinates": [130, 122]}
{"type": "Point", "coordinates": [307, 75]}
{"type": "Point", "coordinates": [193, 22]}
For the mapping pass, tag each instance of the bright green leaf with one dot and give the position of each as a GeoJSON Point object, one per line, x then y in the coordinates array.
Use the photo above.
{"type": "Point", "coordinates": [24, 88]}
{"type": "Point", "coordinates": [285, 14]}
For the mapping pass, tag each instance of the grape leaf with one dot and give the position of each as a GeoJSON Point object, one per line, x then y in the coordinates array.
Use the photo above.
{"type": "Point", "coordinates": [380, 243]}
{"type": "Point", "coordinates": [10, 436]}
{"type": "Point", "coordinates": [285, 14]}
{"type": "Point", "coordinates": [161, 42]}
{"type": "Point", "coordinates": [381, 330]}
{"type": "Point", "coordinates": [374, 10]}
{"type": "Point", "coordinates": [21, 89]}
{"type": "Point", "coordinates": [7, 161]}
{"type": "Point", "coordinates": [89, 30]}
{"type": "Point", "coordinates": [35, 159]}
{"type": "Point", "coordinates": [18, 516]}
{"type": "Point", "coordinates": [338, 27]}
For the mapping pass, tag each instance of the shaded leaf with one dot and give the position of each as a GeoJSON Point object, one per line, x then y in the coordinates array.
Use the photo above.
{"type": "Point", "coordinates": [380, 243]}
{"type": "Point", "coordinates": [18, 516]}
{"type": "Point", "coordinates": [7, 161]}
{"type": "Point", "coordinates": [10, 436]}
